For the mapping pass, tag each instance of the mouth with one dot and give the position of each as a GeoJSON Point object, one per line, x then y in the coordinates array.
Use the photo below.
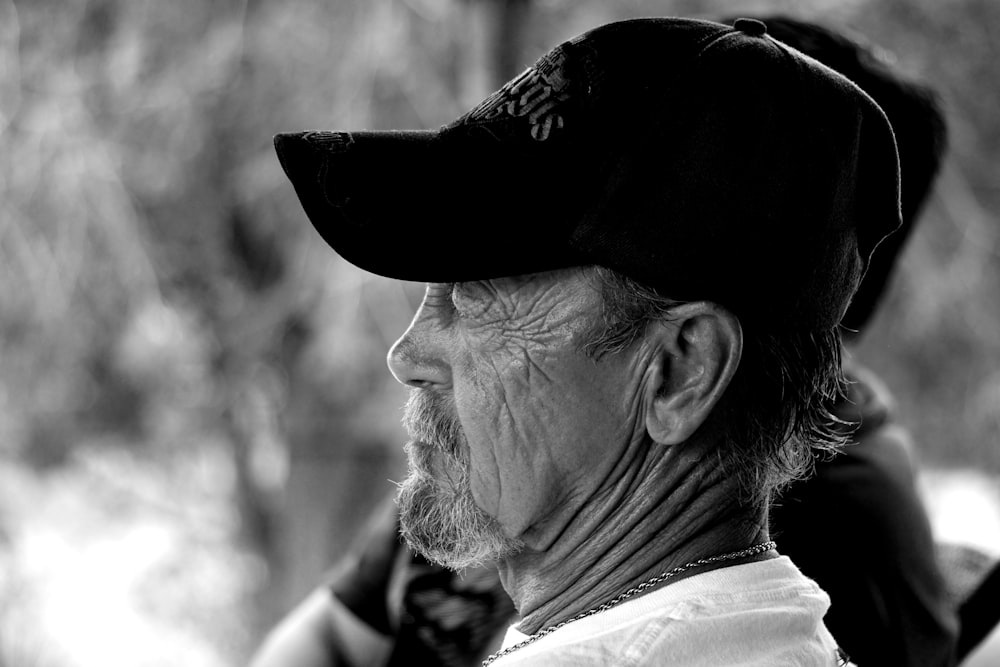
{"type": "Point", "coordinates": [418, 445]}
{"type": "Point", "coordinates": [420, 453]}
{"type": "Point", "coordinates": [430, 460]}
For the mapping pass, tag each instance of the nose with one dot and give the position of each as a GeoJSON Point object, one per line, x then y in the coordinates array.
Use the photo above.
{"type": "Point", "coordinates": [419, 358]}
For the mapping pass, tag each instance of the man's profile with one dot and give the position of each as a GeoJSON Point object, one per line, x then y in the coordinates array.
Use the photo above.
{"type": "Point", "coordinates": [637, 254]}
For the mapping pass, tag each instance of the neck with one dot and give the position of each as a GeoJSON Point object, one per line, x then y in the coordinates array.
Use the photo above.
{"type": "Point", "coordinates": [673, 508]}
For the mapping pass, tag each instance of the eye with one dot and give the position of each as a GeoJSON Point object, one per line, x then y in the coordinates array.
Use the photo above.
{"type": "Point", "coordinates": [465, 299]}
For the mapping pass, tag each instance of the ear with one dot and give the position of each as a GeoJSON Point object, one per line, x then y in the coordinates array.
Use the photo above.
{"type": "Point", "coordinates": [698, 349]}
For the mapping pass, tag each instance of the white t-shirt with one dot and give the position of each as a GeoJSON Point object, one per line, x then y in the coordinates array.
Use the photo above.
{"type": "Point", "coordinates": [765, 613]}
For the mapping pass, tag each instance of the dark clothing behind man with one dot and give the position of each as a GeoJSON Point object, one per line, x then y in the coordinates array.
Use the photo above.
{"type": "Point", "coordinates": [859, 528]}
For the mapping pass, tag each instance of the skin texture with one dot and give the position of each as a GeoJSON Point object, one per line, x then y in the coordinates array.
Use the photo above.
{"type": "Point", "coordinates": [603, 468]}
{"type": "Point", "coordinates": [438, 514]}
{"type": "Point", "coordinates": [507, 353]}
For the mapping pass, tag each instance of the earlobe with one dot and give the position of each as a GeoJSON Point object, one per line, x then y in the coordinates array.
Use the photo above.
{"type": "Point", "coordinates": [697, 353]}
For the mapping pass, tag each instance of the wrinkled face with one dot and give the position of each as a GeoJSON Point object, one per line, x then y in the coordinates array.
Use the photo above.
{"type": "Point", "coordinates": [513, 424]}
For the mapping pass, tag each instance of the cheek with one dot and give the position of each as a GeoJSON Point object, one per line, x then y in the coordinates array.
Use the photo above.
{"type": "Point", "coordinates": [538, 433]}
{"type": "Point", "coordinates": [500, 433]}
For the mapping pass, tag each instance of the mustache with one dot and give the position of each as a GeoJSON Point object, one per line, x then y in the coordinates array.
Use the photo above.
{"type": "Point", "coordinates": [429, 419]}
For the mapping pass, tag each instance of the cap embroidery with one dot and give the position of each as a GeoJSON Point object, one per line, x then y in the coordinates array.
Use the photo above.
{"type": "Point", "coordinates": [329, 142]}
{"type": "Point", "coordinates": [333, 142]}
{"type": "Point", "coordinates": [536, 94]}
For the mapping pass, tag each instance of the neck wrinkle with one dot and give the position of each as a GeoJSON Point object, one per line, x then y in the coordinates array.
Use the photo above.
{"type": "Point", "coordinates": [675, 510]}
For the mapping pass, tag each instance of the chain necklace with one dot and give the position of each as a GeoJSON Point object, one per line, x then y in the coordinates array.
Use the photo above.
{"type": "Point", "coordinates": [646, 585]}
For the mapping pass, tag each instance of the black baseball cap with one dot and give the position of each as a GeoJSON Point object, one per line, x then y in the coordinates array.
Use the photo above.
{"type": "Point", "coordinates": [918, 123]}
{"type": "Point", "coordinates": [706, 161]}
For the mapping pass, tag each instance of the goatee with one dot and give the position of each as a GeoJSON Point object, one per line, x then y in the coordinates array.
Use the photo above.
{"type": "Point", "coordinates": [438, 515]}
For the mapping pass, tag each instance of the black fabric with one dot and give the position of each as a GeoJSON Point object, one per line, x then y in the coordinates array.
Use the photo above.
{"type": "Point", "coordinates": [704, 161]}
{"type": "Point", "coordinates": [859, 528]}
{"type": "Point", "coordinates": [363, 582]}
{"type": "Point", "coordinates": [440, 618]}
{"type": "Point", "coordinates": [450, 619]}
{"type": "Point", "coordinates": [979, 614]}
{"type": "Point", "coordinates": [914, 111]}
{"type": "Point", "coordinates": [433, 207]}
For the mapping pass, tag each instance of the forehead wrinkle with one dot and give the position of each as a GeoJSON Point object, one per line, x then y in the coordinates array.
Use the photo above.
{"type": "Point", "coordinates": [516, 302]}
{"type": "Point", "coordinates": [531, 286]}
{"type": "Point", "coordinates": [510, 323]}
{"type": "Point", "coordinates": [558, 309]}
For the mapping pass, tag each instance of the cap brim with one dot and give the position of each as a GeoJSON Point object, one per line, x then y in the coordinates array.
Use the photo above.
{"type": "Point", "coordinates": [426, 206]}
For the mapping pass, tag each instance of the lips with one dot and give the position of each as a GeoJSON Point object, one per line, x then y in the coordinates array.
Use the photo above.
{"type": "Point", "coordinates": [432, 461]}
{"type": "Point", "coordinates": [417, 450]}
{"type": "Point", "coordinates": [421, 455]}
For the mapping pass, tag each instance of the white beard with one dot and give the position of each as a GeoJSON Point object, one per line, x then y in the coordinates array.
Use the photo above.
{"type": "Point", "coordinates": [439, 518]}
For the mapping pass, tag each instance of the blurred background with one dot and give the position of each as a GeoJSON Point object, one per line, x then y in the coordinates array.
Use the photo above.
{"type": "Point", "coordinates": [195, 414]}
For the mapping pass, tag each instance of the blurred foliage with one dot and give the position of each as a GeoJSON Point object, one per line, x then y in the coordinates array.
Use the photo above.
{"type": "Point", "coordinates": [164, 303]}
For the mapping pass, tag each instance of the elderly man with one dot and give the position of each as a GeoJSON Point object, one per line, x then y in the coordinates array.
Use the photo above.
{"type": "Point", "coordinates": [637, 254]}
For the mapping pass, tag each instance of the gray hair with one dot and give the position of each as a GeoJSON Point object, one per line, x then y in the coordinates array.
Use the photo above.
{"type": "Point", "coordinates": [775, 416]}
